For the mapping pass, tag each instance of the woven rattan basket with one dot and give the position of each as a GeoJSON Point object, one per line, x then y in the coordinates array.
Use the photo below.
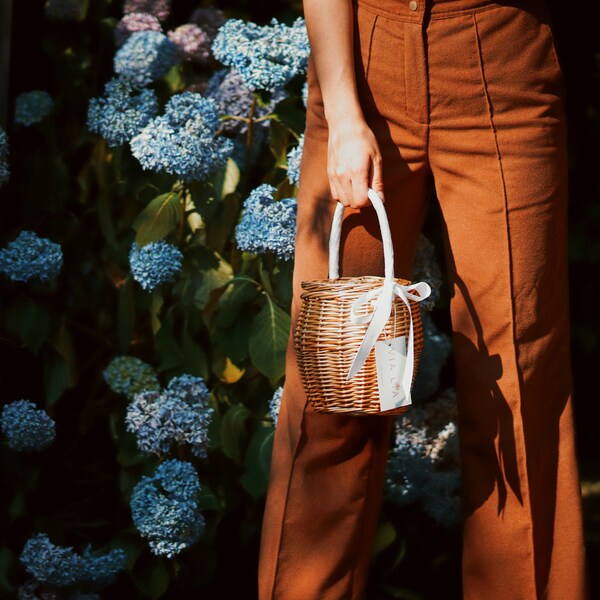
{"type": "Point", "coordinates": [339, 322]}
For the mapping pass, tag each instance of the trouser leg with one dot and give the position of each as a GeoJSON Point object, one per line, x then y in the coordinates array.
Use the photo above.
{"type": "Point", "coordinates": [327, 471]}
{"type": "Point", "coordinates": [498, 155]}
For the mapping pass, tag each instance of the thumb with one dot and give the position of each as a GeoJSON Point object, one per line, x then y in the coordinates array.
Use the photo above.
{"type": "Point", "coordinates": [376, 179]}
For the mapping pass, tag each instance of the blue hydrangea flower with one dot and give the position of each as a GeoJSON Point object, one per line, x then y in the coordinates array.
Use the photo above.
{"type": "Point", "coordinates": [121, 113]}
{"type": "Point", "coordinates": [34, 590]}
{"type": "Point", "coordinates": [145, 57]}
{"type": "Point", "coordinates": [423, 465]}
{"type": "Point", "coordinates": [129, 375]}
{"type": "Point", "coordinates": [165, 509]}
{"type": "Point", "coordinates": [154, 263]}
{"type": "Point", "coordinates": [26, 427]}
{"type": "Point", "coordinates": [267, 225]}
{"type": "Point", "coordinates": [293, 162]}
{"type": "Point", "coordinates": [192, 41]}
{"type": "Point", "coordinates": [267, 57]}
{"type": "Point", "coordinates": [183, 141]}
{"type": "Point", "coordinates": [179, 414]}
{"type": "Point", "coordinates": [65, 10]}
{"type": "Point", "coordinates": [159, 8]}
{"type": "Point", "coordinates": [62, 566]}
{"type": "Point", "coordinates": [32, 107]}
{"type": "Point", "coordinates": [4, 168]}
{"type": "Point", "coordinates": [275, 404]}
{"type": "Point", "coordinates": [133, 22]}
{"type": "Point", "coordinates": [234, 98]}
{"type": "Point", "coordinates": [305, 94]}
{"type": "Point", "coordinates": [31, 257]}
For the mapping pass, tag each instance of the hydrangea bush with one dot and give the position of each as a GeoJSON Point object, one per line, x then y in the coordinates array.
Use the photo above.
{"type": "Point", "coordinates": [147, 258]}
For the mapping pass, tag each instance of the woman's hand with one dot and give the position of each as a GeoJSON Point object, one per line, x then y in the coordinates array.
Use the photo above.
{"type": "Point", "coordinates": [353, 163]}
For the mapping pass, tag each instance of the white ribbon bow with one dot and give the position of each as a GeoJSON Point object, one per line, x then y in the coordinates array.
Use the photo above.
{"type": "Point", "coordinates": [378, 318]}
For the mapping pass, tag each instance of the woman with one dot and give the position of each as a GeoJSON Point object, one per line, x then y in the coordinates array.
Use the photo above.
{"type": "Point", "coordinates": [469, 93]}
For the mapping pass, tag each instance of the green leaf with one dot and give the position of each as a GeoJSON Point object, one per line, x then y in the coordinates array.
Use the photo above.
{"type": "Point", "coordinates": [233, 431]}
{"type": "Point", "coordinates": [227, 179]}
{"type": "Point", "coordinates": [150, 575]}
{"type": "Point", "coordinates": [104, 216]}
{"type": "Point", "coordinates": [234, 341]}
{"type": "Point", "coordinates": [258, 462]}
{"type": "Point", "coordinates": [268, 340]}
{"type": "Point", "coordinates": [385, 536]}
{"type": "Point", "coordinates": [291, 115]}
{"type": "Point", "coordinates": [167, 347]}
{"type": "Point", "coordinates": [279, 140]}
{"type": "Point", "coordinates": [195, 361]}
{"type": "Point", "coordinates": [158, 219]}
{"type": "Point", "coordinates": [242, 290]}
{"type": "Point", "coordinates": [29, 323]}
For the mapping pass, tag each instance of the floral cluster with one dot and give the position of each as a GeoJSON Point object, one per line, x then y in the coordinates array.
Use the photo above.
{"type": "Point", "coordinates": [179, 414]}
{"type": "Point", "coordinates": [30, 257]}
{"type": "Point", "coordinates": [183, 141]}
{"type": "Point", "coordinates": [210, 19]}
{"type": "Point", "coordinates": [130, 375]}
{"type": "Point", "coordinates": [122, 112]}
{"type": "Point", "coordinates": [165, 508]}
{"type": "Point", "coordinates": [4, 168]}
{"type": "Point", "coordinates": [267, 225]}
{"type": "Point", "coordinates": [145, 57]}
{"type": "Point", "coordinates": [275, 404]}
{"type": "Point", "coordinates": [32, 107]}
{"type": "Point", "coordinates": [161, 9]}
{"type": "Point", "coordinates": [192, 42]}
{"type": "Point", "coordinates": [62, 566]}
{"type": "Point", "coordinates": [267, 57]}
{"type": "Point", "coordinates": [154, 263]}
{"type": "Point", "coordinates": [26, 427]}
{"type": "Point", "coordinates": [426, 268]}
{"type": "Point", "coordinates": [423, 465]}
{"type": "Point", "coordinates": [132, 23]}
{"type": "Point", "coordinates": [293, 162]}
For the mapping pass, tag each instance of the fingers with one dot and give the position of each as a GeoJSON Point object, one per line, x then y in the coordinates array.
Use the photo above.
{"type": "Point", "coordinates": [376, 176]}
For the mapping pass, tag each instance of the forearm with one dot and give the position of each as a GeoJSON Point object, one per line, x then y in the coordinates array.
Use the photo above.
{"type": "Point", "coordinates": [330, 30]}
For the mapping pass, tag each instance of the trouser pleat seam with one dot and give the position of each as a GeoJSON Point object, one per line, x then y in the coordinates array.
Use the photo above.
{"type": "Point", "coordinates": [523, 476]}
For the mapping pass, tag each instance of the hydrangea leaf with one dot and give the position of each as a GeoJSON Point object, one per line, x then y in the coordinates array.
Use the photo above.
{"type": "Point", "coordinates": [158, 219]}
{"type": "Point", "coordinates": [258, 462]}
{"type": "Point", "coordinates": [227, 179]}
{"type": "Point", "coordinates": [233, 431]}
{"type": "Point", "coordinates": [385, 536]}
{"type": "Point", "coordinates": [241, 291]}
{"type": "Point", "coordinates": [104, 216]}
{"type": "Point", "coordinates": [150, 576]}
{"type": "Point", "coordinates": [268, 340]}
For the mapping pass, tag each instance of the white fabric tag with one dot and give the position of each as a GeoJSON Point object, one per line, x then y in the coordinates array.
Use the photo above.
{"type": "Point", "coordinates": [390, 360]}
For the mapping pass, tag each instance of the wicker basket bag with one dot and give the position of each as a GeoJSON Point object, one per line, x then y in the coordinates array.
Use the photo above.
{"type": "Point", "coordinates": [358, 340]}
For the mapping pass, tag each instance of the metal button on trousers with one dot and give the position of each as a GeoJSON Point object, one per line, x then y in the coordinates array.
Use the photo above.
{"type": "Point", "coordinates": [467, 95]}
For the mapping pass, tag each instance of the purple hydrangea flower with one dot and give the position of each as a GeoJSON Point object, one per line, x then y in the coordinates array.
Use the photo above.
{"type": "Point", "coordinates": [122, 112]}
{"type": "Point", "coordinates": [30, 257]}
{"type": "Point", "coordinates": [159, 8]}
{"type": "Point", "coordinates": [165, 510]}
{"type": "Point", "coordinates": [154, 263]}
{"type": "Point", "coordinates": [145, 57]}
{"type": "Point", "coordinates": [32, 107]}
{"type": "Point", "coordinates": [267, 57]}
{"type": "Point", "coordinates": [267, 225]}
{"type": "Point", "coordinates": [26, 427]}
{"type": "Point", "coordinates": [192, 42]}
{"type": "Point", "coordinates": [134, 22]}
{"type": "Point", "coordinates": [210, 19]}
{"type": "Point", "coordinates": [183, 141]}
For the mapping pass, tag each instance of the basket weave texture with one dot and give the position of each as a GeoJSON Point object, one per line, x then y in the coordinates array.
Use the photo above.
{"type": "Point", "coordinates": [326, 341]}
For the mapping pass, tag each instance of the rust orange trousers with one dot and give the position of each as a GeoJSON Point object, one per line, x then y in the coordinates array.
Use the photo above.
{"type": "Point", "coordinates": [468, 94]}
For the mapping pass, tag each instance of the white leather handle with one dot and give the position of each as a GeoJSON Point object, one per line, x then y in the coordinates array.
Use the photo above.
{"type": "Point", "coordinates": [386, 236]}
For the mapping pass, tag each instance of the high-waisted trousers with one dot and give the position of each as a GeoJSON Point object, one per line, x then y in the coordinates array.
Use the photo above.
{"type": "Point", "coordinates": [468, 94]}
